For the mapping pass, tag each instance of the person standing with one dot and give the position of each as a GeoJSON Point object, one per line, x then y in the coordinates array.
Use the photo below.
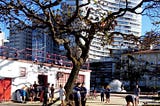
{"type": "Point", "coordinates": [62, 94]}
{"type": "Point", "coordinates": [107, 92]}
{"type": "Point", "coordinates": [35, 85]}
{"type": "Point", "coordinates": [102, 94]}
{"type": "Point", "coordinates": [52, 93]}
{"type": "Point", "coordinates": [31, 93]}
{"type": "Point", "coordinates": [45, 94]}
{"type": "Point", "coordinates": [83, 95]}
{"type": "Point", "coordinates": [77, 95]}
{"type": "Point", "coordinates": [137, 91]}
{"type": "Point", "coordinates": [23, 93]}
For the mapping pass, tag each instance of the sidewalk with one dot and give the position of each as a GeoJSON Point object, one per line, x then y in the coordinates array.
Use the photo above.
{"type": "Point", "coordinates": [116, 100]}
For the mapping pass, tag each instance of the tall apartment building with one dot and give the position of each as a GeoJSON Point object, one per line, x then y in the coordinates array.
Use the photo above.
{"type": "Point", "coordinates": [43, 45]}
{"type": "Point", "coordinates": [129, 24]}
{"type": "Point", "coordinates": [29, 44]}
{"type": "Point", "coordinates": [20, 41]}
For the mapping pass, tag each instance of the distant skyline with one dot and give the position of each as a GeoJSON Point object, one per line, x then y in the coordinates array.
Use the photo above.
{"type": "Point", "coordinates": [146, 26]}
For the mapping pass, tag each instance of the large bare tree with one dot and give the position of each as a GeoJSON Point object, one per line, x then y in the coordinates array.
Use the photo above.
{"type": "Point", "coordinates": [63, 25]}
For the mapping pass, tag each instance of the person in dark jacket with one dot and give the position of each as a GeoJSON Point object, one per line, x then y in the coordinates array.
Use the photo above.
{"type": "Point", "coordinates": [52, 93]}
{"type": "Point", "coordinates": [137, 91]}
{"type": "Point", "coordinates": [107, 92]}
{"type": "Point", "coordinates": [83, 93]}
{"type": "Point", "coordinates": [77, 95]}
{"type": "Point", "coordinates": [45, 94]}
{"type": "Point", "coordinates": [102, 94]}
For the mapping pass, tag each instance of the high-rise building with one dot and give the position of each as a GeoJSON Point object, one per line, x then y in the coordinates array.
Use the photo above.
{"type": "Point", "coordinates": [44, 49]}
{"type": "Point", "coordinates": [19, 41]}
{"type": "Point", "coordinates": [32, 44]}
{"type": "Point", "coordinates": [130, 23]}
{"type": "Point", "coordinates": [43, 45]}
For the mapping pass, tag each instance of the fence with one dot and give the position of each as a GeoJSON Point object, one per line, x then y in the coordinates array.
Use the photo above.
{"type": "Point", "coordinates": [41, 56]}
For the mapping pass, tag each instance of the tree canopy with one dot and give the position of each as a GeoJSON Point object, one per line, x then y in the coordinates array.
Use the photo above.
{"type": "Point", "coordinates": [67, 22]}
{"type": "Point", "coordinates": [150, 40]}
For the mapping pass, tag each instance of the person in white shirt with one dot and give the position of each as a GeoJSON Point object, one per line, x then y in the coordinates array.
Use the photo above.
{"type": "Point", "coordinates": [62, 94]}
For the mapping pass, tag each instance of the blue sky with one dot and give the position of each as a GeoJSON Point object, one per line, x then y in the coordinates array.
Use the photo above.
{"type": "Point", "coordinates": [4, 29]}
{"type": "Point", "coordinates": [146, 24]}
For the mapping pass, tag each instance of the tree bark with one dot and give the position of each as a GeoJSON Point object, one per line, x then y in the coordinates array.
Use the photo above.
{"type": "Point", "coordinates": [72, 79]}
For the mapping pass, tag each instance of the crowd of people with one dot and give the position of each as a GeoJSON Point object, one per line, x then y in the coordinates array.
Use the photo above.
{"type": "Point", "coordinates": [35, 92]}
{"type": "Point", "coordinates": [45, 94]}
{"type": "Point", "coordinates": [78, 97]}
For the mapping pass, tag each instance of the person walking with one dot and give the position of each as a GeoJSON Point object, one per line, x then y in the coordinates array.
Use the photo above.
{"type": "Point", "coordinates": [107, 93]}
{"type": "Point", "coordinates": [102, 94]}
{"type": "Point", "coordinates": [62, 94]}
{"type": "Point", "coordinates": [137, 91]}
{"type": "Point", "coordinates": [83, 93]}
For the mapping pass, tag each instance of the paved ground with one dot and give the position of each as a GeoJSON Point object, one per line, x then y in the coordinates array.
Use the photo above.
{"type": "Point", "coordinates": [116, 100]}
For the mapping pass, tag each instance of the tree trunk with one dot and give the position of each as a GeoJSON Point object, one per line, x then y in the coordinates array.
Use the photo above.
{"type": "Point", "coordinates": [71, 80]}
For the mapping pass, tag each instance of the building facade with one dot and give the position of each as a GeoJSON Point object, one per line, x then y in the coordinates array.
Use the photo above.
{"type": "Point", "coordinates": [16, 74]}
{"type": "Point", "coordinates": [31, 44]}
{"type": "Point", "coordinates": [102, 73]}
{"type": "Point", "coordinates": [130, 23]}
{"type": "Point", "coordinates": [148, 62]}
{"type": "Point", "coordinates": [43, 46]}
{"type": "Point", "coordinates": [19, 41]}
